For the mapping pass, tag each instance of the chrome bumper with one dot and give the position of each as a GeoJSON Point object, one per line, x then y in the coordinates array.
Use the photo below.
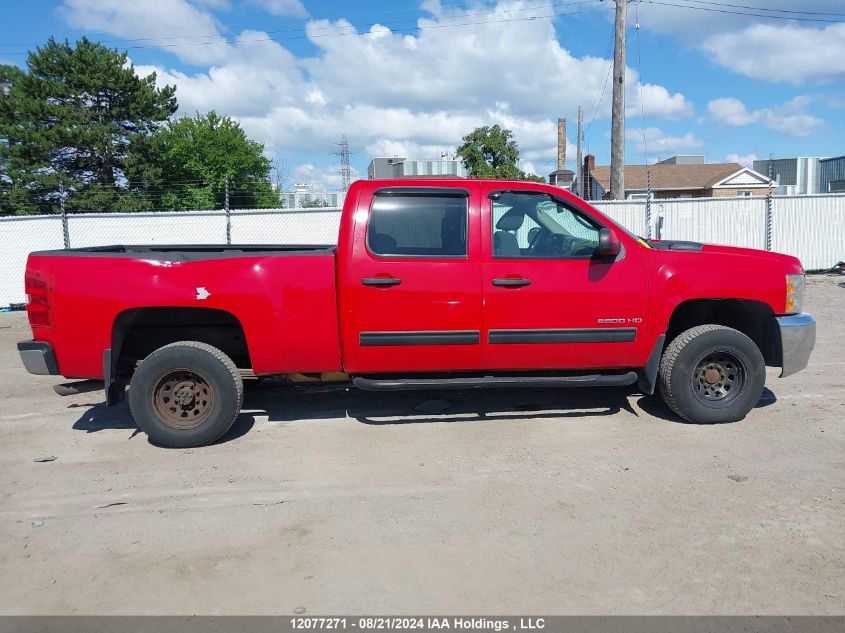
{"type": "Point", "coordinates": [797, 338]}
{"type": "Point", "coordinates": [38, 358]}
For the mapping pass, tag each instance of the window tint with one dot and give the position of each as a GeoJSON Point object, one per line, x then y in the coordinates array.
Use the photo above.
{"type": "Point", "coordinates": [413, 226]}
{"type": "Point", "coordinates": [535, 225]}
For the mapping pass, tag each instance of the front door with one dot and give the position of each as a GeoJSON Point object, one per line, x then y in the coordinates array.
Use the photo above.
{"type": "Point", "coordinates": [411, 292]}
{"type": "Point", "coordinates": [550, 301]}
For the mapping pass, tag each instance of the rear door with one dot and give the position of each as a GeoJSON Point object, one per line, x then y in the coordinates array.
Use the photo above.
{"type": "Point", "coordinates": [411, 291]}
{"type": "Point", "coordinates": [549, 301]}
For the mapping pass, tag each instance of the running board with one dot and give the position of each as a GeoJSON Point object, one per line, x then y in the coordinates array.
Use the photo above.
{"type": "Point", "coordinates": [492, 382]}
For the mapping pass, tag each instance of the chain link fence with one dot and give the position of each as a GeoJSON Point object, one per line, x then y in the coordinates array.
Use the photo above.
{"type": "Point", "coordinates": [811, 228]}
{"type": "Point", "coordinates": [20, 235]}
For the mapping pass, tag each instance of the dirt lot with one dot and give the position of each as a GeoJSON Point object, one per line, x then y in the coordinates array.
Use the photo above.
{"type": "Point", "coordinates": [593, 501]}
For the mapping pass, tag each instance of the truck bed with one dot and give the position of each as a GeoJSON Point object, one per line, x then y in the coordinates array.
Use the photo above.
{"type": "Point", "coordinates": [283, 297]}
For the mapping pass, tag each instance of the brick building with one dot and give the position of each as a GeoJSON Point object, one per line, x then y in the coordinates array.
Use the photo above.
{"type": "Point", "coordinates": [674, 179]}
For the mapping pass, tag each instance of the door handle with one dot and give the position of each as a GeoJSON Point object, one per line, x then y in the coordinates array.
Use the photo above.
{"type": "Point", "coordinates": [381, 281]}
{"type": "Point", "coordinates": [512, 282]}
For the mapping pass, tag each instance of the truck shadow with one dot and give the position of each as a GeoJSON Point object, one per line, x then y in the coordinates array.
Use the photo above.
{"type": "Point", "coordinates": [99, 417]}
{"type": "Point", "coordinates": [299, 404]}
{"type": "Point", "coordinates": [438, 406]}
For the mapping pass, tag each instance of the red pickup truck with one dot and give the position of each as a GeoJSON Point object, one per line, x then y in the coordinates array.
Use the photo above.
{"type": "Point", "coordinates": [433, 284]}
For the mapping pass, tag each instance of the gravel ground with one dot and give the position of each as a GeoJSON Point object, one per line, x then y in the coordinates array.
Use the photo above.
{"type": "Point", "coordinates": [506, 502]}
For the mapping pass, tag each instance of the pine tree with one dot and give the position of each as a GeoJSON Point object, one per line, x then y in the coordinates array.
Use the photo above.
{"type": "Point", "coordinates": [67, 123]}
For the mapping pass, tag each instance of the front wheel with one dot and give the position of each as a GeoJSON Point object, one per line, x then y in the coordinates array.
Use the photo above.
{"type": "Point", "coordinates": [711, 374]}
{"type": "Point", "coordinates": [186, 394]}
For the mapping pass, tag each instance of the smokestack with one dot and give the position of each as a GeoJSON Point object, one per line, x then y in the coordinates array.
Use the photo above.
{"type": "Point", "coordinates": [561, 143]}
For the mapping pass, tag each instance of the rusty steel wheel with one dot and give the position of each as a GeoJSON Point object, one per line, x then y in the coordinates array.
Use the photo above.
{"type": "Point", "coordinates": [183, 399]}
{"type": "Point", "coordinates": [186, 394]}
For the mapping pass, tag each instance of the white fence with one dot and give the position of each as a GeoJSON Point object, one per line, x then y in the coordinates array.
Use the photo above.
{"type": "Point", "coordinates": [20, 235]}
{"type": "Point", "coordinates": [810, 227]}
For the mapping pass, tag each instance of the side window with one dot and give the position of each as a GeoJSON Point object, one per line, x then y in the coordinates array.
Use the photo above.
{"type": "Point", "coordinates": [418, 226]}
{"type": "Point", "coordinates": [536, 226]}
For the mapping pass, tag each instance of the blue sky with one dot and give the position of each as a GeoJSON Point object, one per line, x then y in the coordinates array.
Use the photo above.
{"type": "Point", "coordinates": [410, 77]}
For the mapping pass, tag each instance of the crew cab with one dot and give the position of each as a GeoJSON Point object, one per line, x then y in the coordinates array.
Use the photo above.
{"type": "Point", "coordinates": [433, 284]}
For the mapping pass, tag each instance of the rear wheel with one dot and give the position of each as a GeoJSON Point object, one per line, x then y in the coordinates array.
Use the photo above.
{"type": "Point", "coordinates": [186, 394]}
{"type": "Point", "coordinates": [712, 373]}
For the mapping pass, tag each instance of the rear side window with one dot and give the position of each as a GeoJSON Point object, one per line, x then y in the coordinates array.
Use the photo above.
{"type": "Point", "coordinates": [418, 226]}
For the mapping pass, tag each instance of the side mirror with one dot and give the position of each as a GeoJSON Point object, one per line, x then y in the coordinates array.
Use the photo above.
{"type": "Point", "coordinates": [609, 244]}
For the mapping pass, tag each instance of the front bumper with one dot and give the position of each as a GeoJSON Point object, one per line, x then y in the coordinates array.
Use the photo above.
{"type": "Point", "coordinates": [38, 358]}
{"type": "Point", "coordinates": [797, 338]}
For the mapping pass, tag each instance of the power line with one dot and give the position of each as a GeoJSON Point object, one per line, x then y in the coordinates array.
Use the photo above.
{"type": "Point", "coordinates": [617, 117]}
{"type": "Point", "coordinates": [396, 27]}
{"type": "Point", "coordinates": [640, 72]}
{"type": "Point", "coordinates": [755, 8]}
{"type": "Point", "coordinates": [756, 15]}
{"type": "Point", "coordinates": [608, 72]}
{"type": "Point", "coordinates": [608, 57]}
{"type": "Point", "coordinates": [642, 118]}
{"type": "Point", "coordinates": [151, 38]}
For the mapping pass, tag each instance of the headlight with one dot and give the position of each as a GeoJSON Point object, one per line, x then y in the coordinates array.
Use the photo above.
{"type": "Point", "coordinates": [794, 293]}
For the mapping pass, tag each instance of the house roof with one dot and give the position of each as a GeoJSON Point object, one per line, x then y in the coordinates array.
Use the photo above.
{"type": "Point", "coordinates": [670, 176]}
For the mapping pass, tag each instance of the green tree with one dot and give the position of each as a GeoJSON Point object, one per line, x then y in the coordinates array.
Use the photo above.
{"type": "Point", "coordinates": [67, 123]}
{"type": "Point", "coordinates": [187, 163]}
{"type": "Point", "coordinates": [491, 152]}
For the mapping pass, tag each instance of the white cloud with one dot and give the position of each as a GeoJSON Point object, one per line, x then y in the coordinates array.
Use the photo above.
{"type": "Point", "coordinates": [782, 53]}
{"type": "Point", "coordinates": [729, 111]}
{"type": "Point", "coordinates": [745, 161]}
{"type": "Point", "coordinates": [165, 23]}
{"type": "Point", "coordinates": [224, 5]}
{"type": "Point", "coordinates": [287, 8]}
{"type": "Point", "coordinates": [836, 102]}
{"type": "Point", "coordinates": [788, 117]}
{"type": "Point", "coordinates": [654, 141]}
{"type": "Point", "coordinates": [773, 50]}
{"type": "Point", "coordinates": [408, 149]}
{"type": "Point", "coordinates": [325, 177]}
{"type": "Point", "coordinates": [386, 90]}
{"type": "Point", "coordinates": [657, 101]}
{"type": "Point", "coordinates": [257, 76]}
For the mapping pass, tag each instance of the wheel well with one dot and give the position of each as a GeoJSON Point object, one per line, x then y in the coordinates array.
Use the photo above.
{"type": "Point", "coordinates": [138, 332]}
{"type": "Point", "coordinates": [755, 319]}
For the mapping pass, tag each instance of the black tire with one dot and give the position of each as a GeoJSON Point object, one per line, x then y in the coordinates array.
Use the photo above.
{"type": "Point", "coordinates": [711, 374]}
{"type": "Point", "coordinates": [186, 394]}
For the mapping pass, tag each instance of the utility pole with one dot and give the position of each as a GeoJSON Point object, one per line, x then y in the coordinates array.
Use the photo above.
{"type": "Point", "coordinates": [617, 133]}
{"type": "Point", "coordinates": [579, 154]}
